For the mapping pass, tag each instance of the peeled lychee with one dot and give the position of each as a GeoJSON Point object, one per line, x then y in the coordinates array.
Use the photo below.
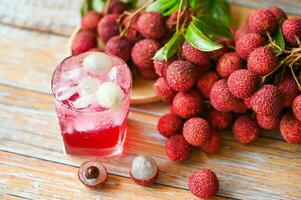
{"type": "Point", "coordinates": [181, 75]}
{"type": "Point", "coordinates": [195, 56]}
{"type": "Point", "coordinates": [278, 13]}
{"type": "Point", "coordinates": [161, 66]}
{"type": "Point", "coordinates": [262, 21]}
{"type": "Point", "coordinates": [151, 25]}
{"type": "Point", "coordinates": [290, 129]}
{"type": "Point", "coordinates": [164, 91]}
{"type": "Point", "coordinates": [213, 144]}
{"type": "Point", "coordinates": [291, 28]}
{"type": "Point", "coordinates": [268, 122]}
{"type": "Point", "coordinates": [109, 94]}
{"type": "Point", "coordinates": [92, 174]}
{"type": "Point", "coordinates": [90, 21]}
{"type": "Point", "coordinates": [187, 104]}
{"type": "Point", "coordinates": [170, 124]}
{"type": "Point", "coordinates": [120, 47]}
{"type": "Point", "coordinates": [117, 7]}
{"type": "Point", "coordinates": [262, 61]}
{"type": "Point", "coordinates": [206, 81]}
{"type": "Point", "coordinates": [228, 63]}
{"type": "Point", "coordinates": [247, 43]}
{"type": "Point", "coordinates": [245, 129]}
{"type": "Point", "coordinates": [289, 90]}
{"type": "Point", "coordinates": [220, 120]}
{"type": "Point", "coordinates": [196, 131]}
{"type": "Point", "coordinates": [296, 107]}
{"type": "Point", "coordinates": [108, 27]}
{"type": "Point", "coordinates": [177, 149]}
{"type": "Point", "coordinates": [83, 42]}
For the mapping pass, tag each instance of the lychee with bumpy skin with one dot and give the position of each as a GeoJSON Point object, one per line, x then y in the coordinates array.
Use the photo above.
{"type": "Point", "coordinates": [187, 104]}
{"type": "Point", "coordinates": [240, 107]}
{"type": "Point", "coordinates": [245, 129]}
{"type": "Point", "coordinates": [228, 63]}
{"type": "Point", "coordinates": [267, 100]}
{"type": "Point", "coordinates": [247, 43]}
{"type": "Point", "coordinates": [148, 73]}
{"type": "Point", "coordinates": [206, 81]}
{"type": "Point", "coordinates": [262, 61]}
{"type": "Point", "coordinates": [195, 56]}
{"type": "Point", "coordinates": [196, 131]}
{"type": "Point", "coordinates": [181, 75]}
{"type": "Point", "coordinates": [177, 149]}
{"type": "Point", "coordinates": [289, 90]}
{"type": "Point", "coordinates": [261, 21]}
{"type": "Point", "coordinates": [151, 25]}
{"type": "Point", "coordinates": [90, 21]}
{"type": "Point", "coordinates": [203, 183]}
{"type": "Point", "coordinates": [108, 27]}
{"type": "Point", "coordinates": [170, 124]}
{"type": "Point", "coordinates": [83, 42]}
{"type": "Point", "coordinates": [291, 28]}
{"type": "Point", "coordinates": [220, 120]}
{"type": "Point", "coordinates": [143, 53]}
{"type": "Point", "coordinates": [221, 98]}
{"type": "Point", "coordinates": [241, 31]}
{"type": "Point", "coordinates": [296, 107]}
{"type": "Point", "coordinates": [164, 91]}
{"type": "Point", "coordinates": [278, 13]}
{"type": "Point", "coordinates": [290, 129]}
{"type": "Point", "coordinates": [133, 35]}
{"type": "Point", "coordinates": [117, 7]}
{"type": "Point", "coordinates": [120, 47]}
{"type": "Point", "coordinates": [144, 170]}
{"type": "Point", "coordinates": [161, 66]}
{"type": "Point", "coordinates": [242, 83]}
{"type": "Point", "coordinates": [213, 144]}
{"type": "Point", "coordinates": [268, 122]}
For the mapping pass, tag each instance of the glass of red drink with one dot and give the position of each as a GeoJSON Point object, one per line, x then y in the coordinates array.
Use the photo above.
{"type": "Point", "coordinates": [92, 98]}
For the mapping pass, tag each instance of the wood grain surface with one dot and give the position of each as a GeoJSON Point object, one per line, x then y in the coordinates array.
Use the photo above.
{"type": "Point", "coordinates": [33, 37]}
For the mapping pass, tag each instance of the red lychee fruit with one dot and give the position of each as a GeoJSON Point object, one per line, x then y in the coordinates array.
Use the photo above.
{"type": "Point", "coordinates": [133, 35]}
{"type": "Point", "coordinates": [151, 25]}
{"type": "Point", "coordinates": [163, 91]}
{"type": "Point", "coordinates": [267, 122]}
{"type": "Point", "coordinates": [196, 131]}
{"type": "Point", "coordinates": [161, 66]}
{"type": "Point", "coordinates": [245, 129]}
{"type": "Point", "coordinates": [120, 47]}
{"type": "Point", "coordinates": [261, 21]}
{"type": "Point", "coordinates": [148, 73]}
{"type": "Point", "coordinates": [241, 31]}
{"type": "Point", "coordinates": [170, 124]}
{"type": "Point", "coordinates": [195, 56]}
{"type": "Point", "coordinates": [221, 98]}
{"type": "Point", "coordinates": [240, 107]}
{"type": "Point", "coordinates": [203, 183]}
{"type": "Point", "coordinates": [212, 145]}
{"type": "Point", "coordinates": [187, 104]}
{"type": "Point", "coordinates": [290, 129]}
{"type": "Point", "coordinates": [289, 90]}
{"type": "Point", "coordinates": [90, 21]}
{"type": "Point", "coordinates": [226, 43]}
{"type": "Point", "coordinates": [247, 43]}
{"type": "Point", "coordinates": [181, 75]}
{"type": "Point", "coordinates": [291, 28]}
{"type": "Point", "coordinates": [177, 149]}
{"type": "Point", "coordinates": [278, 13]}
{"type": "Point", "coordinates": [296, 107]}
{"type": "Point", "coordinates": [267, 100]}
{"type": "Point", "coordinates": [83, 42]}
{"type": "Point", "coordinates": [117, 7]}
{"type": "Point", "coordinates": [143, 53]}
{"type": "Point", "coordinates": [206, 81]}
{"type": "Point", "coordinates": [108, 27]}
{"type": "Point", "coordinates": [220, 120]}
{"type": "Point", "coordinates": [247, 102]}
{"type": "Point", "coordinates": [262, 61]}
{"type": "Point", "coordinates": [242, 83]}
{"type": "Point", "coordinates": [228, 63]}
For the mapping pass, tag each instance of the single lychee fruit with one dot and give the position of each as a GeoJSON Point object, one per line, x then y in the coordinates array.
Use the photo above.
{"type": "Point", "coordinates": [170, 124]}
{"type": "Point", "coordinates": [177, 149]}
{"type": "Point", "coordinates": [144, 170]}
{"type": "Point", "coordinates": [143, 53]}
{"type": "Point", "coordinates": [90, 21]}
{"type": "Point", "coordinates": [187, 104]}
{"type": "Point", "coordinates": [289, 90]}
{"type": "Point", "coordinates": [278, 13]}
{"type": "Point", "coordinates": [262, 61]}
{"type": "Point", "coordinates": [117, 7]}
{"type": "Point", "coordinates": [120, 47]}
{"type": "Point", "coordinates": [247, 43]}
{"type": "Point", "coordinates": [291, 29]}
{"type": "Point", "coordinates": [240, 107]}
{"type": "Point", "coordinates": [203, 183]}
{"type": "Point", "coordinates": [196, 131]}
{"type": "Point", "coordinates": [268, 122]}
{"type": "Point", "coordinates": [108, 27]}
{"type": "Point", "coordinates": [267, 100]}
{"type": "Point", "coordinates": [220, 120]}
{"type": "Point", "coordinates": [242, 83]}
{"type": "Point", "coordinates": [290, 129]}
{"type": "Point", "coordinates": [83, 42]}
{"type": "Point", "coordinates": [245, 129]}
{"type": "Point", "coordinates": [161, 66]}
{"type": "Point", "coordinates": [228, 63]}
{"type": "Point", "coordinates": [92, 174]}
{"type": "Point", "coordinates": [206, 81]}
{"type": "Point", "coordinates": [148, 73]}
{"type": "Point", "coordinates": [195, 56]}
{"type": "Point", "coordinates": [212, 145]}
{"type": "Point", "coordinates": [296, 107]}
{"type": "Point", "coordinates": [151, 25]}
{"type": "Point", "coordinates": [261, 21]}
{"type": "Point", "coordinates": [181, 75]}
{"type": "Point", "coordinates": [221, 98]}
{"type": "Point", "coordinates": [163, 91]}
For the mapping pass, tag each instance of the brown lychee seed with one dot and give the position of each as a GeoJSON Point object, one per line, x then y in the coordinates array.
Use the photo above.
{"type": "Point", "coordinates": [92, 174]}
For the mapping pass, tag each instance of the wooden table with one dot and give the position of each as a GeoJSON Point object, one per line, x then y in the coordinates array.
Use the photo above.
{"type": "Point", "coordinates": [33, 37]}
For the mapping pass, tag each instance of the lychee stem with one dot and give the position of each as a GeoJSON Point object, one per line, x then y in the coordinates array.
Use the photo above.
{"type": "Point", "coordinates": [295, 77]}
{"type": "Point", "coordinates": [107, 7]}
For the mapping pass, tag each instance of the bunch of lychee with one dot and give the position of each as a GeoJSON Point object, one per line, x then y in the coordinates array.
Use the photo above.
{"type": "Point", "coordinates": [249, 85]}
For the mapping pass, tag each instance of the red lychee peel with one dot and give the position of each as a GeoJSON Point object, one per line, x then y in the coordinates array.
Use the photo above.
{"type": "Point", "coordinates": [289, 90]}
{"type": "Point", "coordinates": [170, 124]}
{"type": "Point", "coordinates": [247, 43]}
{"type": "Point", "coordinates": [262, 20]}
{"type": "Point", "coordinates": [290, 29]}
{"type": "Point", "coordinates": [151, 25]}
{"type": "Point", "coordinates": [90, 21]}
{"type": "Point", "coordinates": [163, 91]}
{"type": "Point", "coordinates": [228, 63]}
{"type": "Point", "coordinates": [120, 47]}
{"type": "Point", "coordinates": [290, 129]}
{"type": "Point", "coordinates": [177, 148]}
{"type": "Point", "coordinates": [108, 27]}
{"type": "Point", "coordinates": [83, 41]}
{"type": "Point", "coordinates": [296, 107]}
{"type": "Point", "coordinates": [245, 129]}
{"type": "Point", "coordinates": [195, 56]}
{"type": "Point", "coordinates": [206, 81]}
{"type": "Point", "coordinates": [196, 131]}
{"type": "Point", "coordinates": [213, 144]}
{"type": "Point", "coordinates": [220, 120]}
{"type": "Point", "coordinates": [268, 122]}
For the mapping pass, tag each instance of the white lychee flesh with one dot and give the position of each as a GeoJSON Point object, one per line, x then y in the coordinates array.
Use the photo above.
{"type": "Point", "coordinates": [144, 167]}
{"type": "Point", "coordinates": [97, 62]}
{"type": "Point", "coordinates": [109, 94]}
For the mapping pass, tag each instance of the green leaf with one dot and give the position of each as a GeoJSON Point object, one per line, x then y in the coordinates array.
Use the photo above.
{"type": "Point", "coordinates": [278, 38]}
{"type": "Point", "coordinates": [171, 47]}
{"type": "Point", "coordinates": [199, 40]}
{"type": "Point", "coordinates": [98, 5]}
{"type": "Point", "coordinates": [220, 9]}
{"type": "Point", "coordinates": [163, 6]}
{"type": "Point", "coordinates": [132, 4]}
{"type": "Point", "coordinates": [84, 8]}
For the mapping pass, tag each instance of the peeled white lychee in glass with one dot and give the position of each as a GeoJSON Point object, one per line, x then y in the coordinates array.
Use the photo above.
{"type": "Point", "coordinates": [97, 62]}
{"type": "Point", "coordinates": [109, 94]}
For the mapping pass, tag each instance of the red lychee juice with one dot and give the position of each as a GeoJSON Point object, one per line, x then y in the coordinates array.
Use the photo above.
{"type": "Point", "coordinates": [92, 96]}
